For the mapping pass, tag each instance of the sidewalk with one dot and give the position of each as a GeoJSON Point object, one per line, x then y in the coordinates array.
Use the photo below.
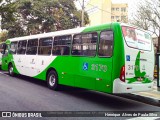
{"type": "Point", "coordinates": [149, 97]}
{"type": "Point", "coordinates": [154, 94]}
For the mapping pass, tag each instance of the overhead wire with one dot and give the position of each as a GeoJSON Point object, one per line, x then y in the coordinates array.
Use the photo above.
{"type": "Point", "coordinates": [97, 7]}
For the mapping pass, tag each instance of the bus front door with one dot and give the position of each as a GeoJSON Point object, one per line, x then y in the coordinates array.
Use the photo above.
{"type": "Point", "coordinates": [5, 57]}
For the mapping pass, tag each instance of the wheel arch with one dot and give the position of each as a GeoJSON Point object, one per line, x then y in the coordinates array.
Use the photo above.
{"type": "Point", "coordinates": [50, 69]}
{"type": "Point", "coordinates": [10, 63]}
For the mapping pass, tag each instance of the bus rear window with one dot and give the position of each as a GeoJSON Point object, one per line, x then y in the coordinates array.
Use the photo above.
{"type": "Point", "coordinates": [136, 38]}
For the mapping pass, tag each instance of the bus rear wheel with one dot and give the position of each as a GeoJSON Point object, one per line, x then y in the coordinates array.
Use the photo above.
{"type": "Point", "coordinates": [10, 70]}
{"type": "Point", "coordinates": [52, 80]}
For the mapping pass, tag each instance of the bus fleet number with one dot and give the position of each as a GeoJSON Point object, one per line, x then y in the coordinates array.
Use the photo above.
{"type": "Point", "coordinates": [99, 67]}
{"type": "Point", "coordinates": [132, 67]}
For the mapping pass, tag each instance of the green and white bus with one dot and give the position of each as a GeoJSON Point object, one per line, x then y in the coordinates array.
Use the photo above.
{"type": "Point", "coordinates": [111, 58]}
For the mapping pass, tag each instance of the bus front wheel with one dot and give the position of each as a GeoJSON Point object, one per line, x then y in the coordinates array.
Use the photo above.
{"type": "Point", "coordinates": [52, 80]}
{"type": "Point", "coordinates": [10, 70]}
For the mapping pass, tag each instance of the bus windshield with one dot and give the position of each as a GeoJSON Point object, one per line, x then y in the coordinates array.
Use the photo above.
{"type": "Point", "coordinates": [136, 38]}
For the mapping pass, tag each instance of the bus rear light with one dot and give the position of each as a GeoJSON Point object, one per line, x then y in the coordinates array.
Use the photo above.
{"type": "Point", "coordinates": [122, 74]}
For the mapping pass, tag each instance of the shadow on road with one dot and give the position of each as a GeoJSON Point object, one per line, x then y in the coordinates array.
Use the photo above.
{"type": "Point", "coordinates": [118, 102]}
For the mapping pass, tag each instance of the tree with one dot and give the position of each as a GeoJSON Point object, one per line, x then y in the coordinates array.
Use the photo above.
{"type": "Point", "coordinates": [8, 14]}
{"type": "Point", "coordinates": [148, 17]}
{"type": "Point", "coordinates": [38, 16]}
{"type": "Point", "coordinates": [3, 36]}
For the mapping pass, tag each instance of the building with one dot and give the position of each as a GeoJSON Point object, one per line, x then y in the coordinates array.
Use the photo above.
{"type": "Point", "coordinates": [99, 11]}
{"type": "Point", "coordinates": [119, 12]}
{"type": "Point", "coordinates": [102, 11]}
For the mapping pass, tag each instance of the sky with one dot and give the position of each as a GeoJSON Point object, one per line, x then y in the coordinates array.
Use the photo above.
{"type": "Point", "coordinates": [131, 5]}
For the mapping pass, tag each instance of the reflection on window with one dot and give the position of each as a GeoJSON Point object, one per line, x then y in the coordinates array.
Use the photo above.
{"type": "Point", "coordinates": [61, 45]}
{"type": "Point", "coordinates": [85, 44]}
{"type": "Point", "coordinates": [21, 47]}
{"type": "Point", "coordinates": [32, 47]}
{"type": "Point", "coordinates": [106, 43]}
{"type": "Point", "coordinates": [13, 47]}
{"type": "Point", "coordinates": [45, 46]}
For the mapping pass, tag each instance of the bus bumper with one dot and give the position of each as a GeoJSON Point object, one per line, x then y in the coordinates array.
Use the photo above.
{"type": "Point", "coordinates": [122, 87]}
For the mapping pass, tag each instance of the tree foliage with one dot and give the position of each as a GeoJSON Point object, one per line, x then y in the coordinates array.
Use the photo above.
{"type": "Point", "coordinates": [148, 17]}
{"type": "Point", "coordinates": [3, 36]}
{"type": "Point", "coordinates": [38, 16]}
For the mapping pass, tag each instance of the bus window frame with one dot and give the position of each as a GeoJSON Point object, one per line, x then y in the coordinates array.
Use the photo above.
{"type": "Point", "coordinates": [25, 46]}
{"type": "Point", "coordinates": [99, 43]}
{"type": "Point", "coordinates": [45, 46]}
{"type": "Point", "coordinates": [32, 46]}
{"type": "Point", "coordinates": [62, 45]}
{"type": "Point", "coordinates": [82, 43]}
{"type": "Point", "coordinates": [124, 39]}
{"type": "Point", "coordinates": [16, 48]}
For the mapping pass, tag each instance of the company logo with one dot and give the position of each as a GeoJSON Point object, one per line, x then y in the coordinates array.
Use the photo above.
{"type": "Point", "coordinates": [6, 114]}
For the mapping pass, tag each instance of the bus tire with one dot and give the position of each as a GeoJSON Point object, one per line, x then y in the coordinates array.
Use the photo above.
{"type": "Point", "coordinates": [52, 80]}
{"type": "Point", "coordinates": [10, 70]}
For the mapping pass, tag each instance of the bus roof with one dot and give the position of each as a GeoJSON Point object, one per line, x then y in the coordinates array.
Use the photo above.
{"type": "Point", "coordinates": [63, 32]}
{"type": "Point", "coordinates": [72, 31]}
{"type": "Point", "coordinates": [50, 34]}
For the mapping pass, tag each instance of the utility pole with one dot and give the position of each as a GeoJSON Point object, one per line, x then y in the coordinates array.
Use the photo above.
{"type": "Point", "coordinates": [0, 23]}
{"type": "Point", "coordinates": [82, 23]}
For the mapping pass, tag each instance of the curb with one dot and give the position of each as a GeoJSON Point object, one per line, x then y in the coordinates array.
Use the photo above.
{"type": "Point", "coordinates": [142, 98]}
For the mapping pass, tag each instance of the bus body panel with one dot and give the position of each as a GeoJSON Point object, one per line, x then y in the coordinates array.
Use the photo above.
{"type": "Point", "coordinates": [139, 66]}
{"type": "Point", "coordinates": [118, 54]}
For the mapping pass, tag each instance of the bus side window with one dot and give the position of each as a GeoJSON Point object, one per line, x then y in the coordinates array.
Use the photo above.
{"type": "Point", "coordinates": [76, 45]}
{"type": "Point", "coordinates": [66, 50]}
{"type": "Point", "coordinates": [106, 44]}
{"type": "Point", "coordinates": [61, 45]}
{"type": "Point", "coordinates": [22, 47]}
{"type": "Point", "coordinates": [45, 46]}
{"type": "Point", "coordinates": [85, 44]}
{"type": "Point", "coordinates": [89, 41]}
{"type": "Point", "coordinates": [32, 47]}
{"type": "Point", "coordinates": [75, 52]}
{"type": "Point", "coordinates": [13, 47]}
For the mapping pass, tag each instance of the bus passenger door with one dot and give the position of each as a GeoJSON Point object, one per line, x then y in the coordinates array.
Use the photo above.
{"type": "Point", "coordinates": [20, 57]}
{"type": "Point", "coordinates": [4, 57]}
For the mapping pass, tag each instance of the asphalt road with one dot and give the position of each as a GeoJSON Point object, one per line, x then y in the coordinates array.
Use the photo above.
{"type": "Point", "coordinates": [26, 94]}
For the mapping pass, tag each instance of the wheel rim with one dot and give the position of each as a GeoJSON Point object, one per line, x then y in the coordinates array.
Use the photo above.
{"type": "Point", "coordinates": [11, 70]}
{"type": "Point", "coordinates": [52, 80]}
